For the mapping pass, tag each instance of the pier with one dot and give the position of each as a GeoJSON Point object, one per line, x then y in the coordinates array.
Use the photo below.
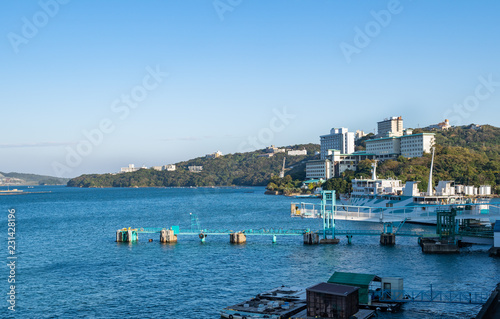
{"type": "Point", "coordinates": [454, 226]}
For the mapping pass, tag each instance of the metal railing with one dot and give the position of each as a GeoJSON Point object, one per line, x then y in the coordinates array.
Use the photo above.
{"type": "Point", "coordinates": [434, 296]}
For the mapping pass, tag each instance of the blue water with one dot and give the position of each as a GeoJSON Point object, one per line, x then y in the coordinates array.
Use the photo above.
{"type": "Point", "coordinates": [70, 266]}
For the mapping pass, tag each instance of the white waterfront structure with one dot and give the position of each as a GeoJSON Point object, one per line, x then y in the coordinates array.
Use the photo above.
{"type": "Point", "coordinates": [297, 152]}
{"type": "Point", "coordinates": [338, 139]}
{"type": "Point", "coordinates": [485, 190]}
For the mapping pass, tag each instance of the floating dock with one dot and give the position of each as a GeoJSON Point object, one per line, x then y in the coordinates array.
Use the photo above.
{"type": "Point", "coordinates": [281, 302]}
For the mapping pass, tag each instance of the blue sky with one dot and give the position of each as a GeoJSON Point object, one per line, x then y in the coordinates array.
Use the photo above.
{"type": "Point", "coordinates": [241, 75]}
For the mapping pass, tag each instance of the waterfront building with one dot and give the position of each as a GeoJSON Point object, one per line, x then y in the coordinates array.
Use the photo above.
{"type": "Point", "coordinates": [339, 139]}
{"type": "Point", "coordinates": [318, 169]}
{"type": "Point", "coordinates": [485, 190]}
{"type": "Point", "coordinates": [392, 126]}
{"type": "Point", "coordinates": [297, 152]}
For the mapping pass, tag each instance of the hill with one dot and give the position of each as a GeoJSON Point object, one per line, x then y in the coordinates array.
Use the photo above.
{"type": "Point", "coordinates": [242, 169]}
{"type": "Point", "coordinates": [30, 179]}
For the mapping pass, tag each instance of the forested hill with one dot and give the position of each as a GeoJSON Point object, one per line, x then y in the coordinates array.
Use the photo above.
{"type": "Point", "coordinates": [13, 178]}
{"type": "Point", "coordinates": [242, 169]}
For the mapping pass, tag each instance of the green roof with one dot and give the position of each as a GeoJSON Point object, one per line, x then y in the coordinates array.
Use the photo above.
{"type": "Point", "coordinates": [356, 280]}
{"type": "Point", "coordinates": [352, 279]}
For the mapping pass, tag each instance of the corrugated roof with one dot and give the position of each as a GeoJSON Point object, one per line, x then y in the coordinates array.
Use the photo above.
{"type": "Point", "coordinates": [333, 289]}
{"type": "Point", "coordinates": [352, 279]}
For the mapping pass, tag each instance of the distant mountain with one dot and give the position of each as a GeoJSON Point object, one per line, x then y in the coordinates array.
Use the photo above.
{"type": "Point", "coordinates": [30, 179]}
{"type": "Point", "coordinates": [241, 169]}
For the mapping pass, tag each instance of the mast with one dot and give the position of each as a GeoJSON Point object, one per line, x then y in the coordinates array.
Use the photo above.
{"type": "Point", "coordinates": [374, 171]}
{"type": "Point", "coordinates": [429, 187]}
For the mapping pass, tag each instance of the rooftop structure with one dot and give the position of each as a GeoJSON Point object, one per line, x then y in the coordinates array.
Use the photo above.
{"type": "Point", "coordinates": [390, 127]}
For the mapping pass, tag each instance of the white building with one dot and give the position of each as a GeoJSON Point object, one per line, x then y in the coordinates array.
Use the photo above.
{"type": "Point", "coordinates": [273, 149]}
{"type": "Point", "coordinates": [318, 169]}
{"type": "Point", "coordinates": [339, 139]}
{"type": "Point", "coordinates": [297, 152]}
{"type": "Point", "coordinates": [343, 162]}
{"type": "Point", "coordinates": [335, 164]}
{"type": "Point", "coordinates": [408, 145]}
{"type": "Point", "coordinates": [415, 145]}
{"type": "Point", "coordinates": [195, 169]}
{"type": "Point", "coordinates": [157, 168]}
{"type": "Point", "coordinates": [440, 126]}
{"type": "Point", "coordinates": [359, 134]}
{"type": "Point", "coordinates": [131, 168]}
{"type": "Point", "coordinates": [386, 147]}
{"type": "Point", "coordinates": [169, 167]}
{"type": "Point", "coordinates": [392, 126]}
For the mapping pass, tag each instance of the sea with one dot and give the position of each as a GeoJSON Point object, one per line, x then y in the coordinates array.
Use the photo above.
{"type": "Point", "coordinates": [67, 263]}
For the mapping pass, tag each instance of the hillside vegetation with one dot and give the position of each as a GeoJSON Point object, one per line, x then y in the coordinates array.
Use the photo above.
{"type": "Point", "coordinates": [243, 169]}
{"type": "Point", "coordinates": [32, 179]}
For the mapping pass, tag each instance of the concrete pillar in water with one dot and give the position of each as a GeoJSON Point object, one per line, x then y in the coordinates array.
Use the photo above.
{"type": "Point", "coordinates": [237, 238]}
{"type": "Point", "coordinates": [167, 236]}
{"type": "Point", "coordinates": [274, 239]}
{"type": "Point", "coordinates": [311, 238]}
{"type": "Point", "coordinates": [388, 239]}
{"type": "Point", "coordinates": [119, 237]}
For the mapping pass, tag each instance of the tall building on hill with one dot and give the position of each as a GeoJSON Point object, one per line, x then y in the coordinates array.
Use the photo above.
{"type": "Point", "coordinates": [390, 127]}
{"type": "Point", "coordinates": [338, 139]}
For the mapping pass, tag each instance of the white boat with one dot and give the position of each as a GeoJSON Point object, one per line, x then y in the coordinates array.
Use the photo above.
{"type": "Point", "coordinates": [391, 193]}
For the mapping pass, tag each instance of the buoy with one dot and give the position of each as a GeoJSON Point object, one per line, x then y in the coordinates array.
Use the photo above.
{"type": "Point", "coordinates": [150, 240]}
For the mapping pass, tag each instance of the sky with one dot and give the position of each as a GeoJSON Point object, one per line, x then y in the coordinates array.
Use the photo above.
{"type": "Point", "coordinates": [92, 86]}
